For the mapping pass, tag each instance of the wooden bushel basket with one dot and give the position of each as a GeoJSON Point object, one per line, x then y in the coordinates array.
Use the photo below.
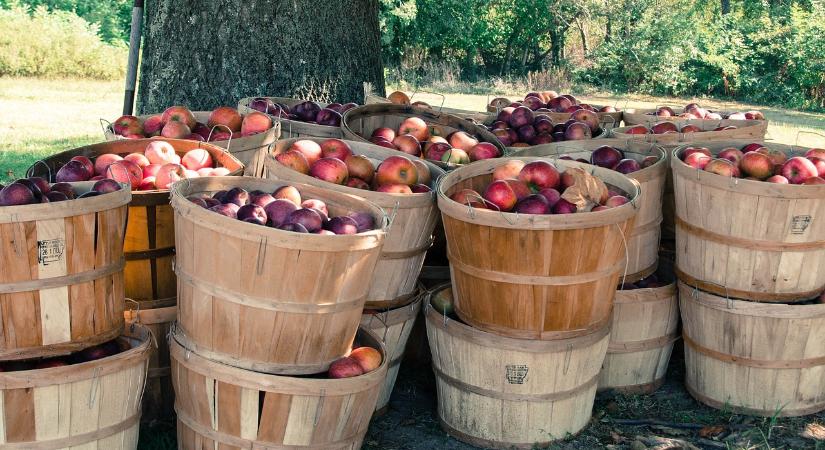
{"type": "Point", "coordinates": [393, 327]}
{"type": "Point", "coordinates": [746, 129]}
{"type": "Point", "coordinates": [266, 299]}
{"type": "Point", "coordinates": [149, 246]}
{"type": "Point", "coordinates": [647, 116]}
{"type": "Point", "coordinates": [61, 283]}
{"type": "Point", "coordinates": [642, 334]}
{"type": "Point", "coordinates": [224, 407]}
{"type": "Point", "coordinates": [643, 243]}
{"type": "Point", "coordinates": [753, 358]}
{"type": "Point", "coordinates": [499, 392]}
{"type": "Point", "coordinates": [613, 119]}
{"type": "Point", "coordinates": [475, 116]}
{"type": "Point", "coordinates": [410, 234]}
{"type": "Point", "coordinates": [94, 404]}
{"type": "Point", "coordinates": [748, 239]}
{"type": "Point", "coordinates": [535, 276]}
{"type": "Point", "coordinates": [359, 123]}
{"type": "Point", "coordinates": [294, 128]}
{"type": "Point", "coordinates": [246, 149]}
{"type": "Point", "coordinates": [158, 398]}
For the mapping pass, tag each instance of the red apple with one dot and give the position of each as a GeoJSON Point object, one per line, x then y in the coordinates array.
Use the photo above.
{"type": "Point", "coordinates": [533, 204]}
{"type": "Point", "coordinates": [336, 148]}
{"type": "Point", "coordinates": [798, 169]}
{"type": "Point", "coordinates": [394, 189]}
{"type": "Point", "coordinates": [124, 125]}
{"type": "Point", "coordinates": [723, 167]}
{"type": "Point", "coordinates": [72, 171]}
{"type": "Point", "coordinates": [733, 155]}
{"type": "Point", "coordinates": [359, 166]}
{"type": "Point", "coordinates": [179, 114]}
{"type": "Point", "coordinates": [151, 170]}
{"type": "Point", "coordinates": [814, 180]}
{"type": "Point", "coordinates": [396, 170]}
{"type": "Point", "coordinates": [757, 165]}
{"type": "Point", "coordinates": [819, 163]}
{"type": "Point", "coordinates": [125, 172]}
{"type": "Point", "coordinates": [345, 368]}
{"type": "Point", "coordinates": [288, 193]}
{"type": "Point", "coordinates": [105, 160]}
{"type": "Point", "coordinates": [637, 129]}
{"type": "Point", "coordinates": [254, 123]}
{"type": "Point", "coordinates": [564, 207]}
{"type": "Point", "coordinates": [539, 175]}
{"type": "Point", "coordinates": [137, 158]}
{"type": "Point", "coordinates": [424, 176]}
{"type": "Point", "coordinates": [606, 156]}
{"type": "Point", "coordinates": [175, 130]}
{"type": "Point", "coordinates": [779, 179]}
{"type": "Point", "coordinates": [408, 144]}
{"type": "Point", "coordinates": [689, 128]}
{"type": "Point", "coordinates": [815, 153]}
{"type": "Point", "coordinates": [437, 150]}
{"type": "Point", "coordinates": [690, 150]}
{"type": "Point", "coordinates": [455, 156]}
{"type": "Point", "coordinates": [664, 127]}
{"type": "Point", "coordinates": [627, 166]}
{"type": "Point", "coordinates": [332, 170]}
{"type": "Point", "coordinates": [462, 140]}
{"type": "Point", "coordinates": [615, 201]}
{"type": "Point", "coordinates": [484, 150]}
{"type": "Point", "coordinates": [357, 183]}
{"type": "Point", "coordinates": [87, 163]}
{"type": "Point", "coordinates": [520, 188]}
{"type": "Point", "coordinates": [416, 127]}
{"type": "Point", "coordinates": [310, 149]}
{"type": "Point", "coordinates": [226, 116]}
{"type": "Point", "coordinates": [152, 125]}
{"type": "Point", "coordinates": [169, 174]}
{"type": "Point", "coordinates": [778, 157]}
{"type": "Point", "coordinates": [295, 160]}
{"type": "Point", "coordinates": [500, 194]}
{"type": "Point", "coordinates": [466, 196]}
{"type": "Point", "coordinates": [387, 133]}
{"type": "Point", "coordinates": [197, 159]}
{"type": "Point", "coordinates": [160, 152]}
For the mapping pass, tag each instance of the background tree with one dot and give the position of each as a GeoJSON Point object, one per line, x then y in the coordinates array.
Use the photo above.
{"type": "Point", "coordinates": [212, 53]}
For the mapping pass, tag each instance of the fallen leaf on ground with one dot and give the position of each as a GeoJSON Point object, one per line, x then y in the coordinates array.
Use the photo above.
{"type": "Point", "coordinates": [711, 431]}
{"type": "Point", "coordinates": [814, 431]}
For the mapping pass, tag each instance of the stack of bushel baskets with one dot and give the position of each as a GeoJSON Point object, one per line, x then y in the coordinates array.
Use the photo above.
{"type": "Point", "coordinates": [72, 376]}
{"type": "Point", "coordinates": [393, 299]}
{"type": "Point", "coordinates": [749, 258]}
{"type": "Point", "coordinates": [262, 313]}
{"type": "Point", "coordinates": [518, 363]}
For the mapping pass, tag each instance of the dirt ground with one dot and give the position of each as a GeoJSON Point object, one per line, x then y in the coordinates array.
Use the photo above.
{"type": "Point", "coordinates": [666, 419]}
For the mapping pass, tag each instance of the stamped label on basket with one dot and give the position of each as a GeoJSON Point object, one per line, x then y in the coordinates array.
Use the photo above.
{"type": "Point", "coordinates": [800, 223]}
{"type": "Point", "coordinates": [516, 373]}
{"type": "Point", "coordinates": [50, 251]}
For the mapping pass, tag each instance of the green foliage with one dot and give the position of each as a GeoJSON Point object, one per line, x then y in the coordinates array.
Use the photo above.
{"type": "Point", "coordinates": [56, 44]}
{"type": "Point", "coordinates": [112, 17]}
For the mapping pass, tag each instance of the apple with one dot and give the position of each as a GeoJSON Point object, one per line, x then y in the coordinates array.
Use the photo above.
{"type": "Point", "coordinates": [526, 133]}
{"type": "Point", "coordinates": [345, 368]}
{"type": "Point", "coordinates": [437, 150]}
{"type": "Point", "coordinates": [520, 188]}
{"type": "Point", "coordinates": [466, 197]}
{"type": "Point", "coordinates": [615, 201]}
{"type": "Point", "coordinates": [508, 170]}
{"type": "Point", "coordinates": [329, 117]}
{"type": "Point", "coordinates": [778, 157]}
{"type": "Point", "coordinates": [819, 163]}
{"type": "Point", "coordinates": [307, 217]}
{"type": "Point", "coordinates": [332, 170]}
{"type": "Point", "coordinates": [278, 210]}
{"type": "Point", "coordinates": [197, 159]}
{"type": "Point", "coordinates": [87, 163]}
{"type": "Point", "coordinates": [396, 170]}
{"type": "Point", "coordinates": [394, 189]}
{"type": "Point", "coordinates": [307, 111]}
{"type": "Point", "coordinates": [295, 228]}
{"type": "Point", "coordinates": [733, 155]}
{"type": "Point", "coordinates": [462, 140]}
{"type": "Point", "coordinates": [357, 183]}
{"type": "Point", "coordinates": [665, 111]}
{"type": "Point", "coordinates": [606, 156]}
{"type": "Point", "coordinates": [151, 170]}
{"type": "Point", "coordinates": [815, 153]}
{"type": "Point", "coordinates": [722, 167]}
{"type": "Point", "coordinates": [587, 117]}
{"type": "Point", "coordinates": [690, 150]}
{"type": "Point", "coordinates": [387, 133]}
{"type": "Point", "coordinates": [521, 116]}
{"type": "Point", "coordinates": [255, 123]}
{"type": "Point", "coordinates": [504, 137]}
{"type": "Point", "coordinates": [295, 160]}
{"type": "Point", "coordinates": [455, 156]}
{"type": "Point", "coordinates": [637, 129]}
{"type": "Point", "coordinates": [124, 125]}
{"type": "Point", "coordinates": [335, 148]}
{"type": "Point", "coordinates": [664, 127]}
{"type": "Point", "coordinates": [288, 193]}
{"type": "Point", "coordinates": [226, 116]}
{"type": "Point", "coordinates": [416, 127]}
{"type": "Point", "coordinates": [17, 194]}
{"type": "Point", "coordinates": [341, 225]}
{"type": "Point", "coordinates": [757, 165]}
{"type": "Point", "coordinates": [408, 144]}
{"type": "Point", "coordinates": [779, 179]}
{"type": "Point", "coordinates": [159, 152]}
{"type": "Point", "coordinates": [501, 194]}
{"type": "Point", "coordinates": [152, 125]}
{"type": "Point", "coordinates": [125, 172]}
{"type": "Point", "coordinates": [359, 166]}
{"type": "Point", "coordinates": [814, 180]}
{"type": "Point", "coordinates": [168, 174]}
{"type": "Point", "coordinates": [72, 171]}
{"type": "Point", "coordinates": [798, 169]}
{"type": "Point", "coordinates": [175, 130]}
{"type": "Point", "coordinates": [483, 150]}
{"type": "Point", "coordinates": [178, 114]}
{"type": "Point", "coordinates": [310, 149]}
{"type": "Point", "coordinates": [539, 175]}
{"type": "Point", "coordinates": [533, 204]}
{"type": "Point", "coordinates": [577, 131]}
{"type": "Point", "coordinates": [252, 214]}
{"type": "Point", "coordinates": [627, 166]}
{"type": "Point", "coordinates": [564, 207]}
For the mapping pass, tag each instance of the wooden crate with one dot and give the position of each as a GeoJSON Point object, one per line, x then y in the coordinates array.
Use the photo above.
{"type": "Point", "coordinates": [643, 242]}
{"type": "Point", "coordinates": [748, 239]}
{"type": "Point", "coordinates": [535, 276]}
{"type": "Point", "coordinates": [61, 286]}
{"type": "Point", "coordinates": [753, 358]}
{"type": "Point", "coordinates": [266, 299]}
{"type": "Point", "coordinates": [393, 327]}
{"type": "Point", "coordinates": [247, 149]}
{"type": "Point", "coordinates": [642, 334]}
{"type": "Point", "coordinates": [410, 235]}
{"type": "Point", "coordinates": [93, 405]}
{"type": "Point", "coordinates": [500, 392]}
{"type": "Point", "coordinates": [224, 407]}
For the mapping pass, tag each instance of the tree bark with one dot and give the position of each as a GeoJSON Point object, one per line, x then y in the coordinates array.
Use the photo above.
{"type": "Point", "coordinates": [204, 54]}
{"type": "Point", "coordinates": [725, 6]}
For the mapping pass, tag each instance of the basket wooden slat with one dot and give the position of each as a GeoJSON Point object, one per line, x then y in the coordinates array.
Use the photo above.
{"type": "Point", "coordinates": [642, 334]}
{"type": "Point", "coordinates": [61, 287]}
{"type": "Point", "coordinates": [752, 358]}
{"type": "Point", "coordinates": [359, 123]}
{"type": "Point", "coordinates": [294, 128]}
{"type": "Point", "coordinates": [475, 116]}
{"type": "Point", "coordinates": [499, 392]}
{"type": "Point", "coordinates": [220, 406]}
{"type": "Point", "coordinates": [158, 398]}
{"type": "Point", "coordinates": [746, 129]}
{"type": "Point", "coordinates": [393, 327]}
{"type": "Point", "coordinates": [414, 216]}
{"type": "Point", "coordinates": [748, 239]}
{"type": "Point", "coordinates": [94, 404]}
{"type": "Point", "coordinates": [643, 243]}
{"type": "Point", "coordinates": [647, 116]}
{"type": "Point", "coordinates": [266, 299]}
{"type": "Point", "coordinates": [534, 276]}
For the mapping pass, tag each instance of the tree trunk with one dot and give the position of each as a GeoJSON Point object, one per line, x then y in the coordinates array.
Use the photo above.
{"type": "Point", "coordinates": [725, 6]}
{"type": "Point", "coordinates": [583, 35]}
{"type": "Point", "coordinates": [205, 54]}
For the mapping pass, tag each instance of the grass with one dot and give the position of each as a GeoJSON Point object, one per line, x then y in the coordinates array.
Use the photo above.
{"type": "Point", "coordinates": [42, 117]}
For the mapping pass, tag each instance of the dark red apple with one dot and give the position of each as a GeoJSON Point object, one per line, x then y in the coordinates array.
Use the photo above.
{"type": "Point", "coordinates": [606, 156]}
